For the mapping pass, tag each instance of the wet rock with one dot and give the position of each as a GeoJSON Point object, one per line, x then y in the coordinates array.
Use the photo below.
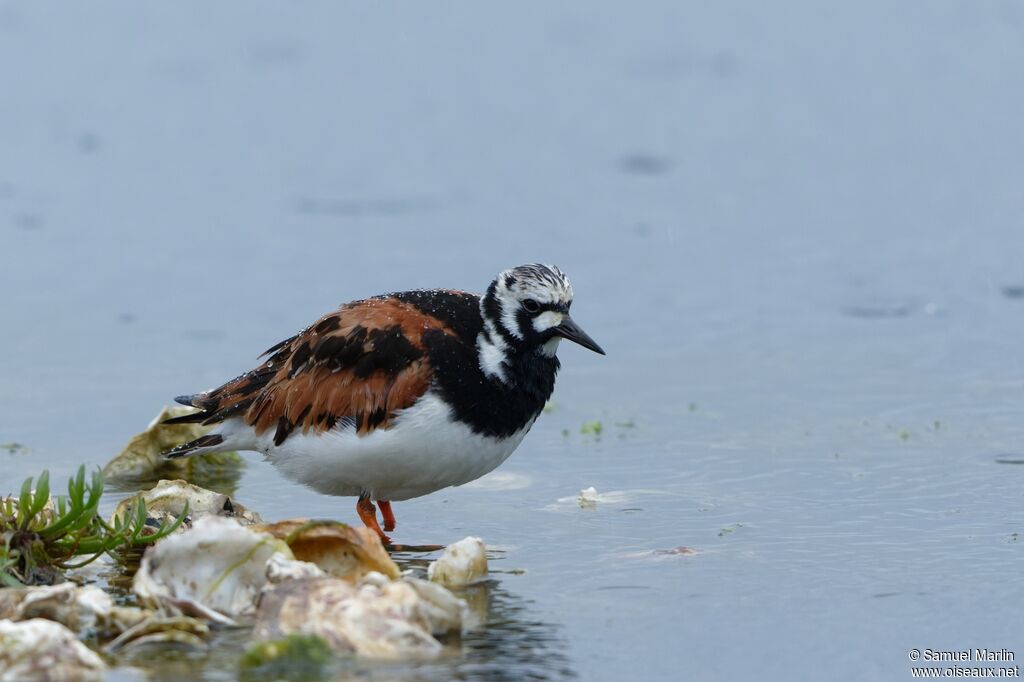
{"type": "Point", "coordinates": [86, 610]}
{"type": "Point", "coordinates": [213, 571]}
{"type": "Point", "coordinates": [142, 458]}
{"type": "Point", "coordinates": [378, 618]}
{"type": "Point", "coordinates": [168, 499]}
{"type": "Point", "coordinates": [40, 649]}
{"type": "Point", "coordinates": [462, 563]}
{"type": "Point", "coordinates": [342, 551]}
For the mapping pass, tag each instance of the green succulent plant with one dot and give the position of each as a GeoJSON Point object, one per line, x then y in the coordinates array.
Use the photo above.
{"type": "Point", "coordinates": [42, 536]}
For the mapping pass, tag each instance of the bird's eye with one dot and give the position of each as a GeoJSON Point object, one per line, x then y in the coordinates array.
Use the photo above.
{"type": "Point", "coordinates": [531, 306]}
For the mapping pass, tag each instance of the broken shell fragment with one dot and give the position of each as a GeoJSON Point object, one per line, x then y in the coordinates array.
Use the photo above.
{"type": "Point", "coordinates": [281, 569]}
{"type": "Point", "coordinates": [587, 499]}
{"type": "Point", "coordinates": [214, 571]}
{"type": "Point", "coordinates": [395, 620]}
{"type": "Point", "coordinates": [168, 500]}
{"type": "Point", "coordinates": [462, 563]}
{"type": "Point", "coordinates": [341, 550]}
{"type": "Point", "coordinates": [179, 630]}
{"type": "Point", "coordinates": [40, 649]}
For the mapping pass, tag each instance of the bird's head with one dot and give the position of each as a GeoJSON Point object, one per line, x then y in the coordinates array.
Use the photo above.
{"type": "Point", "coordinates": [527, 308]}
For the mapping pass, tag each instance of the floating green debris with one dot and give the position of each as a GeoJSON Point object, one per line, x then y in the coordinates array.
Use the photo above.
{"type": "Point", "coordinates": [693, 407]}
{"type": "Point", "coordinates": [41, 536]}
{"type": "Point", "coordinates": [904, 435]}
{"type": "Point", "coordinates": [14, 448]}
{"type": "Point", "coordinates": [593, 428]}
{"type": "Point", "coordinates": [294, 657]}
{"type": "Point", "coordinates": [728, 530]}
{"type": "Point", "coordinates": [565, 433]}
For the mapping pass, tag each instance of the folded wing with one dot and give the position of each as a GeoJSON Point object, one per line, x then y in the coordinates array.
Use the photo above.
{"type": "Point", "coordinates": [359, 364]}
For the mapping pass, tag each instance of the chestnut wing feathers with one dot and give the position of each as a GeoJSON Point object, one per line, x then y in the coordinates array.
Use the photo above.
{"type": "Point", "coordinates": [358, 364]}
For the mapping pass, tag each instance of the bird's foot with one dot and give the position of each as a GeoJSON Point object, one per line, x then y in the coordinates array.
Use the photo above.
{"type": "Point", "coordinates": [368, 514]}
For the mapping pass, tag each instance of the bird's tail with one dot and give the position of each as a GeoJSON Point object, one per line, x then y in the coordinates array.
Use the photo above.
{"type": "Point", "coordinates": [228, 434]}
{"type": "Point", "coordinates": [192, 417]}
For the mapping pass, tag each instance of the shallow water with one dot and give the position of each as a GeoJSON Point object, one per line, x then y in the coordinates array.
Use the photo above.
{"type": "Point", "coordinates": [796, 233]}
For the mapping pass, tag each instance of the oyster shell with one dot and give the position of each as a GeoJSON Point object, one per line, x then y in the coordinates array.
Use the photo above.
{"type": "Point", "coordinates": [180, 630]}
{"type": "Point", "coordinates": [462, 563]}
{"type": "Point", "coordinates": [40, 649]}
{"type": "Point", "coordinates": [343, 551]}
{"type": "Point", "coordinates": [378, 618]}
{"type": "Point", "coordinates": [85, 610]}
{"type": "Point", "coordinates": [166, 501]}
{"type": "Point", "coordinates": [213, 571]}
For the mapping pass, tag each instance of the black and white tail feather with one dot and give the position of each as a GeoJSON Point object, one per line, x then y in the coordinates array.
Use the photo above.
{"type": "Point", "coordinates": [211, 442]}
{"type": "Point", "coordinates": [204, 444]}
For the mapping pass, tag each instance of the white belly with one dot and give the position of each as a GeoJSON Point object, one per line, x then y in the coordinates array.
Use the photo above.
{"type": "Point", "coordinates": [425, 450]}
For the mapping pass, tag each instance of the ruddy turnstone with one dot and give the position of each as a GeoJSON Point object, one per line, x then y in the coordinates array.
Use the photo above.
{"type": "Point", "coordinates": [399, 395]}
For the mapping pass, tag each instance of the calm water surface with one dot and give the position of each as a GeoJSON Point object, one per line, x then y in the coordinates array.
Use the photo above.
{"type": "Point", "coordinates": [796, 232]}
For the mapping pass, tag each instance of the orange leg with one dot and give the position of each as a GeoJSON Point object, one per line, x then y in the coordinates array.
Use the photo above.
{"type": "Point", "coordinates": [389, 516]}
{"type": "Point", "coordinates": [368, 514]}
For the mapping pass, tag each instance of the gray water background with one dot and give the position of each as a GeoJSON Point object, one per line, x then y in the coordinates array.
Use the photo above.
{"type": "Point", "coordinates": [795, 227]}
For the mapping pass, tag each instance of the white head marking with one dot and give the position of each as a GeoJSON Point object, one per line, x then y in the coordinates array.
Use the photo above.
{"type": "Point", "coordinates": [547, 319]}
{"type": "Point", "coordinates": [492, 350]}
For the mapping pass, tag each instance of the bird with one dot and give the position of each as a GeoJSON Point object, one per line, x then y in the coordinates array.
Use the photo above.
{"type": "Point", "coordinates": [399, 395]}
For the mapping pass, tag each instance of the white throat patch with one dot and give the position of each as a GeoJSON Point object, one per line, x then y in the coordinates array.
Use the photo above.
{"type": "Point", "coordinates": [550, 346]}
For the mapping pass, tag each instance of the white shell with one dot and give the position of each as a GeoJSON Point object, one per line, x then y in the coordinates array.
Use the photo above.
{"type": "Point", "coordinates": [85, 610]}
{"type": "Point", "coordinates": [39, 649]}
{"type": "Point", "coordinates": [587, 499]}
{"type": "Point", "coordinates": [168, 499]}
{"type": "Point", "coordinates": [214, 571]}
{"type": "Point", "coordinates": [462, 563]}
{"type": "Point", "coordinates": [390, 620]}
{"type": "Point", "coordinates": [281, 569]}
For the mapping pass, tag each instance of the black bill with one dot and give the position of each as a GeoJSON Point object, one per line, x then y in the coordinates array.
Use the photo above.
{"type": "Point", "coordinates": [571, 331]}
